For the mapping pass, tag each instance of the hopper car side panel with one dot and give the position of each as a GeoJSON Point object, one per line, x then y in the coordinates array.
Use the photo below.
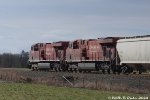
{"type": "Point", "coordinates": [134, 52]}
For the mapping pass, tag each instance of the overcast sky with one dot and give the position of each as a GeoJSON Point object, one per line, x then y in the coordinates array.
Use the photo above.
{"type": "Point", "coordinates": [25, 22]}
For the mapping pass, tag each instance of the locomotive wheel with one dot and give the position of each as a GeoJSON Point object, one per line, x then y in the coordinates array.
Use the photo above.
{"type": "Point", "coordinates": [64, 68]}
{"type": "Point", "coordinates": [97, 67]}
{"type": "Point", "coordinates": [80, 71]}
{"type": "Point", "coordinates": [59, 69]}
{"type": "Point", "coordinates": [71, 70]}
{"type": "Point", "coordinates": [56, 69]}
{"type": "Point", "coordinates": [114, 71]}
{"type": "Point", "coordinates": [36, 69]}
{"type": "Point", "coordinates": [75, 70]}
{"type": "Point", "coordinates": [108, 71]}
{"type": "Point", "coordinates": [32, 69]}
{"type": "Point", "coordinates": [103, 71]}
{"type": "Point", "coordinates": [140, 71]}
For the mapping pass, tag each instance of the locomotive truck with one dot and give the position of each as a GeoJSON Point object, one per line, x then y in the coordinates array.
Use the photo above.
{"type": "Point", "coordinates": [111, 54]}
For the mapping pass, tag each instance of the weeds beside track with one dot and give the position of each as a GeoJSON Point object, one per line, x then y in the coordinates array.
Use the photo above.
{"type": "Point", "coordinates": [127, 83]}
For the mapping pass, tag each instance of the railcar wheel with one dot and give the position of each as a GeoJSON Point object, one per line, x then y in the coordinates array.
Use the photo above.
{"type": "Point", "coordinates": [124, 69]}
{"type": "Point", "coordinates": [140, 68]}
{"type": "Point", "coordinates": [130, 70]}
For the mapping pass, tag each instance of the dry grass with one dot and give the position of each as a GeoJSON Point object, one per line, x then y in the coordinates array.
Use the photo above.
{"type": "Point", "coordinates": [99, 82]}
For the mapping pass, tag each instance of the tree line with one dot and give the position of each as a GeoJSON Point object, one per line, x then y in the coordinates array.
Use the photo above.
{"type": "Point", "coordinates": [9, 60]}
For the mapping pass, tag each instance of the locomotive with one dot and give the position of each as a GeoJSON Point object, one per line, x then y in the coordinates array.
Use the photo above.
{"type": "Point", "coordinates": [111, 54]}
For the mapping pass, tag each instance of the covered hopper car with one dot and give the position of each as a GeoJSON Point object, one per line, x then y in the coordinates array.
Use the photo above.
{"type": "Point", "coordinates": [134, 53]}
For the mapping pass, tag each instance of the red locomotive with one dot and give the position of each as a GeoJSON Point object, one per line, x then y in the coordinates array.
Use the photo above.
{"type": "Point", "coordinates": [92, 54]}
{"type": "Point", "coordinates": [81, 55]}
{"type": "Point", "coordinates": [48, 56]}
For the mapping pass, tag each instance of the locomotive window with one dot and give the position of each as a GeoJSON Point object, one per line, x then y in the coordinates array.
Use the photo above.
{"type": "Point", "coordinates": [82, 42]}
{"type": "Point", "coordinates": [70, 45]}
{"type": "Point", "coordinates": [40, 45]}
{"type": "Point", "coordinates": [36, 49]}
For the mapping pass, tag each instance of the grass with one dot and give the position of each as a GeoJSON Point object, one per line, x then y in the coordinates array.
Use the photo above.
{"type": "Point", "coordinates": [20, 91]}
{"type": "Point", "coordinates": [124, 83]}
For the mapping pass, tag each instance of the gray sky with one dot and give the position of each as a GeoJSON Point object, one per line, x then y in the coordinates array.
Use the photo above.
{"type": "Point", "coordinates": [25, 22]}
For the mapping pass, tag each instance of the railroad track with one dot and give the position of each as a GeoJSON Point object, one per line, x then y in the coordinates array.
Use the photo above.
{"type": "Point", "coordinates": [97, 73]}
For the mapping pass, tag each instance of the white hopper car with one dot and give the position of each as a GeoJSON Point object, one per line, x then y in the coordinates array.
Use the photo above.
{"type": "Point", "coordinates": [134, 53]}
